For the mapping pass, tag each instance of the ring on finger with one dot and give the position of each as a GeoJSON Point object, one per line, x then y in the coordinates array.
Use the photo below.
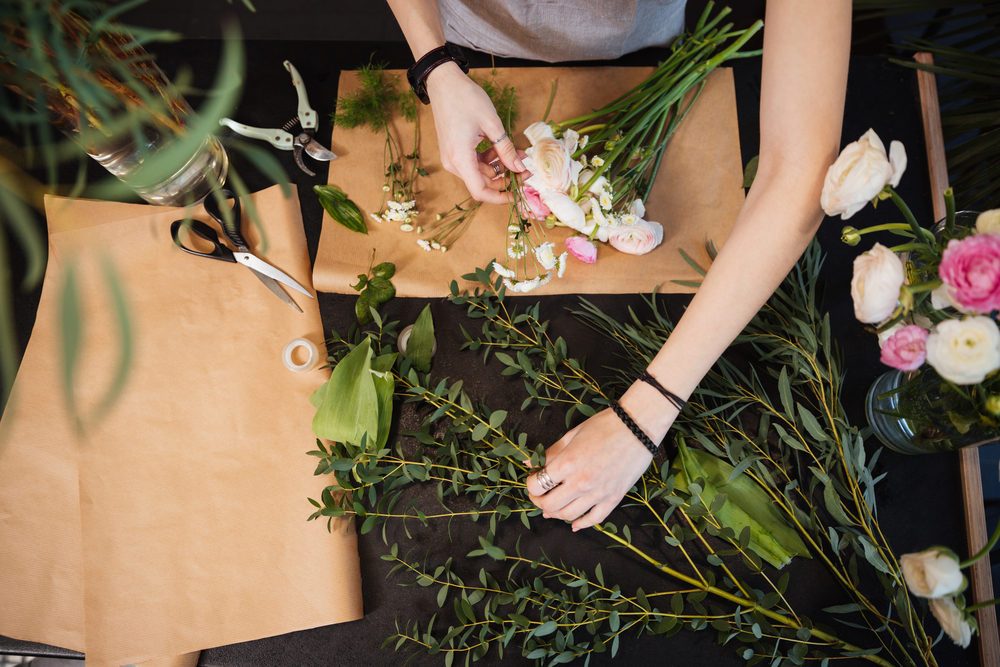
{"type": "Point", "coordinates": [502, 137]}
{"type": "Point", "coordinates": [545, 481]}
{"type": "Point", "coordinates": [497, 169]}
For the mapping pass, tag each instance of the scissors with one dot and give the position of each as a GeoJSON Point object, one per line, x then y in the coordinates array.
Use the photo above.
{"type": "Point", "coordinates": [268, 275]}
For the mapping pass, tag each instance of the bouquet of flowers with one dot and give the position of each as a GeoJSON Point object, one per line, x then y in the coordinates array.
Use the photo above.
{"type": "Point", "coordinates": [933, 298]}
{"type": "Point", "coordinates": [592, 173]}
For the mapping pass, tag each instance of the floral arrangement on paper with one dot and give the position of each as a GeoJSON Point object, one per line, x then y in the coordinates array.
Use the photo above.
{"type": "Point", "coordinates": [593, 173]}
{"type": "Point", "coordinates": [933, 298]}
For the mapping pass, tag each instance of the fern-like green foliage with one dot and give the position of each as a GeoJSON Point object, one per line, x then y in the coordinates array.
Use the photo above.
{"type": "Point", "coordinates": [375, 102]}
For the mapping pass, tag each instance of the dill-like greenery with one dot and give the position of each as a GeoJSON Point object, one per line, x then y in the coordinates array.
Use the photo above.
{"type": "Point", "coordinates": [505, 100]}
{"type": "Point", "coordinates": [375, 102]}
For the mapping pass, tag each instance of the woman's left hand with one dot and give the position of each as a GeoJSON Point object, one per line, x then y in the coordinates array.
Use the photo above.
{"type": "Point", "coordinates": [596, 463]}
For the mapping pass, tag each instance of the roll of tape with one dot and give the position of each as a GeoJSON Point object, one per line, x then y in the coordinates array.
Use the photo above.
{"type": "Point", "coordinates": [309, 363]}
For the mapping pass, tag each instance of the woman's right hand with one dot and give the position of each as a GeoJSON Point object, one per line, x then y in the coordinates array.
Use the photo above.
{"type": "Point", "coordinates": [463, 116]}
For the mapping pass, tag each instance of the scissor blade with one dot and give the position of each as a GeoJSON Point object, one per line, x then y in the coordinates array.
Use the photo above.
{"type": "Point", "coordinates": [320, 152]}
{"type": "Point", "coordinates": [272, 285]}
{"type": "Point", "coordinates": [260, 266]}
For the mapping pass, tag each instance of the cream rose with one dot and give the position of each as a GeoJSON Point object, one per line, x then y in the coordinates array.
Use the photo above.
{"type": "Point", "coordinates": [878, 275]}
{"type": "Point", "coordinates": [988, 222]}
{"type": "Point", "coordinates": [551, 167]}
{"type": "Point", "coordinates": [964, 351]}
{"type": "Point", "coordinates": [860, 173]}
{"type": "Point", "coordinates": [952, 620]}
{"type": "Point", "coordinates": [636, 239]}
{"type": "Point", "coordinates": [537, 131]}
{"type": "Point", "coordinates": [933, 573]}
{"type": "Point", "coordinates": [565, 209]}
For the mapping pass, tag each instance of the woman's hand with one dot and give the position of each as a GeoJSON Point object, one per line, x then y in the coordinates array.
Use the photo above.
{"type": "Point", "coordinates": [463, 116]}
{"type": "Point", "coordinates": [596, 463]}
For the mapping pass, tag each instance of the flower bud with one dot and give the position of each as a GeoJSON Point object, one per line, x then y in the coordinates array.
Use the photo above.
{"type": "Point", "coordinates": [993, 404]}
{"type": "Point", "coordinates": [933, 573]}
{"type": "Point", "coordinates": [850, 236]}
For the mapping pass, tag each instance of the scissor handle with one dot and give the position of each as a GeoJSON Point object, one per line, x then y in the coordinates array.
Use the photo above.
{"type": "Point", "coordinates": [198, 228]}
{"type": "Point", "coordinates": [232, 229]}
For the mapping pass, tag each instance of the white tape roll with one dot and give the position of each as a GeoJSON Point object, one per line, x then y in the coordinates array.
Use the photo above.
{"type": "Point", "coordinates": [309, 364]}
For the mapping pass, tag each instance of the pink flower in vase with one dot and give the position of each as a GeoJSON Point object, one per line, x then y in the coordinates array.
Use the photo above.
{"type": "Point", "coordinates": [971, 270]}
{"type": "Point", "coordinates": [907, 349]}
{"type": "Point", "coordinates": [530, 204]}
{"type": "Point", "coordinates": [582, 248]}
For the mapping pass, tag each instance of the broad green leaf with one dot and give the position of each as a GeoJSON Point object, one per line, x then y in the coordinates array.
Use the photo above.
{"type": "Point", "coordinates": [747, 505]}
{"type": "Point", "coordinates": [380, 290]}
{"type": "Point", "coordinates": [384, 385]}
{"type": "Point", "coordinates": [750, 172]}
{"type": "Point", "coordinates": [384, 270]}
{"type": "Point", "coordinates": [421, 341]}
{"type": "Point", "coordinates": [833, 505]}
{"type": "Point", "coordinates": [361, 308]}
{"type": "Point", "coordinates": [340, 208]}
{"type": "Point", "coordinates": [350, 405]}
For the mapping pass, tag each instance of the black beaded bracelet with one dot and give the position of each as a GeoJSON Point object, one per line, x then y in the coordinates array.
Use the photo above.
{"type": "Point", "coordinates": [674, 399]}
{"type": "Point", "coordinates": [632, 426]}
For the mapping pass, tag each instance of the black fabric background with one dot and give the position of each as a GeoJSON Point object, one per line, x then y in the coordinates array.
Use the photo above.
{"type": "Point", "coordinates": [919, 501]}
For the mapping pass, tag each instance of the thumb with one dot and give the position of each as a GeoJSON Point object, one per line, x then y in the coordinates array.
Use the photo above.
{"type": "Point", "coordinates": [508, 155]}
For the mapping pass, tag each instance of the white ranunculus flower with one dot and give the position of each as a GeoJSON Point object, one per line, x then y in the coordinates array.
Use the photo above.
{"type": "Point", "coordinates": [638, 209]}
{"type": "Point", "coordinates": [565, 209]}
{"type": "Point", "coordinates": [570, 139]}
{"type": "Point", "coordinates": [537, 131]}
{"type": "Point", "coordinates": [551, 166]}
{"type": "Point", "coordinates": [941, 298]}
{"type": "Point", "coordinates": [636, 239]}
{"type": "Point", "coordinates": [878, 275]}
{"type": "Point", "coordinates": [597, 186]}
{"type": "Point", "coordinates": [952, 620]}
{"type": "Point", "coordinates": [964, 351]}
{"type": "Point", "coordinates": [933, 573]}
{"type": "Point", "coordinates": [860, 173]}
{"type": "Point", "coordinates": [988, 222]}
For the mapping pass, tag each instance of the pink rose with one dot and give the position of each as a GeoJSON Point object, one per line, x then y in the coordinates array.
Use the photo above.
{"type": "Point", "coordinates": [636, 239]}
{"type": "Point", "coordinates": [582, 248]}
{"type": "Point", "coordinates": [971, 270]}
{"type": "Point", "coordinates": [907, 349]}
{"type": "Point", "coordinates": [530, 204]}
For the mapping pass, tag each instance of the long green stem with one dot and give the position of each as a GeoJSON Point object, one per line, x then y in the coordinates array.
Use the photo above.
{"type": "Point", "coordinates": [985, 550]}
{"type": "Point", "coordinates": [918, 231]}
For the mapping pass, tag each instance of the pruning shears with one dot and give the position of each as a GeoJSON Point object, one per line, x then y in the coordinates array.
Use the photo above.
{"type": "Point", "coordinates": [305, 122]}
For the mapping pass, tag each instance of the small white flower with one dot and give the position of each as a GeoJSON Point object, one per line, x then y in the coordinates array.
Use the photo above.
{"type": "Point", "coordinates": [406, 228]}
{"type": "Point", "coordinates": [385, 188]}
{"type": "Point", "coordinates": [437, 217]}
{"type": "Point", "coordinates": [377, 218]}
{"type": "Point", "coordinates": [546, 256]}
{"type": "Point", "coordinates": [521, 286]}
{"type": "Point", "coordinates": [584, 140]}
{"type": "Point", "coordinates": [606, 201]}
{"type": "Point", "coordinates": [544, 279]}
{"type": "Point", "coordinates": [393, 205]}
{"type": "Point", "coordinates": [444, 248]}
{"type": "Point", "coordinates": [597, 161]}
{"type": "Point", "coordinates": [502, 270]}
{"type": "Point", "coordinates": [513, 229]}
{"type": "Point", "coordinates": [435, 245]}
{"type": "Point", "coordinates": [516, 250]}
{"type": "Point", "coordinates": [561, 264]}
{"type": "Point", "coordinates": [420, 230]}
{"type": "Point", "coordinates": [424, 244]}
{"type": "Point", "coordinates": [407, 220]}
{"type": "Point", "coordinates": [628, 219]}
{"type": "Point", "coordinates": [583, 161]}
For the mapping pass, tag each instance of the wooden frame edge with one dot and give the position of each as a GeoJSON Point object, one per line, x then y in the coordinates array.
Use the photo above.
{"type": "Point", "coordinates": [972, 484]}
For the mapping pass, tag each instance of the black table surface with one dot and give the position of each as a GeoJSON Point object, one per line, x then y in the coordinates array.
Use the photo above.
{"type": "Point", "coordinates": [920, 501]}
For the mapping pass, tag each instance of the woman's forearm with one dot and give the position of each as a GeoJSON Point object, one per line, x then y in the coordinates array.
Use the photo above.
{"type": "Point", "coordinates": [421, 24]}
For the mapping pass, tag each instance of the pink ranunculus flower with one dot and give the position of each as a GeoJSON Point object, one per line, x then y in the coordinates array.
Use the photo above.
{"type": "Point", "coordinates": [907, 349]}
{"type": "Point", "coordinates": [971, 270]}
{"type": "Point", "coordinates": [530, 204]}
{"type": "Point", "coordinates": [582, 248]}
{"type": "Point", "coordinates": [637, 238]}
{"type": "Point", "coordinates": [551, 167]}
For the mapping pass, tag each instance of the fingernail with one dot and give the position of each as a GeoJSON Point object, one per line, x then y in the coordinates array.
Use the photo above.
{"type": "Point", "coordinates": [518, 164]}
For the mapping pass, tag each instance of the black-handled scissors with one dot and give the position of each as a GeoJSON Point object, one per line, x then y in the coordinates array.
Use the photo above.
{"type": "Point", "coordinates": [267, 274]}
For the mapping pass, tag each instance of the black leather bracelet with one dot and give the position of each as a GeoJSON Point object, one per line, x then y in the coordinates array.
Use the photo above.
{"type": "Point", "coordinates": [632, 426]}
{"type": "Point", "coordinates": [417, 74]}
{"type": "Point", "coordinates": [674, 399]}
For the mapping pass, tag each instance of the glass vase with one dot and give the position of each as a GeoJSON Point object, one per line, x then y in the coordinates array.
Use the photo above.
{"type": "Point", "coordinates": [917, 412]}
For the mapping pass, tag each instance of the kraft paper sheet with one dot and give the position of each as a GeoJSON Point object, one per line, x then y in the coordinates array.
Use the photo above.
{"type": "Point", "coordinates": [177, 522]}
{"type": "Point", "coordinates": [696, 197]}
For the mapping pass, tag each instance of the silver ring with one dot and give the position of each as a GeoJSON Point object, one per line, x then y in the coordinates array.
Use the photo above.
{"type": "Point", "coordinates": [502, 137]}
{"type": "Point", "coordinates": [497, 169]}
{"type": "Point", "coordinates": [545, 481]}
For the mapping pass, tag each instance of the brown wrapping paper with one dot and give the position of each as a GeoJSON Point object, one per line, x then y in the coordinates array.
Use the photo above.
{"type": "Point", "coordinates": [177, 522]}
{"type": "Point", "coordinates": [697, 195]}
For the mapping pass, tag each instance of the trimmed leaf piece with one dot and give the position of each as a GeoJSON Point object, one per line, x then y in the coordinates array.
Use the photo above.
{"type": "Point", "coordinates": [350, 405]}
{"type": "Point", "coordinates": [340, 208]}
{"type": "Point", "coordinates": [421, 342]}
{"type": "Point", "coordinates": [748, 505]}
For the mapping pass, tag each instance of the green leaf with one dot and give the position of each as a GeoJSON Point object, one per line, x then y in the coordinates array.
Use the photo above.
{"type": "Point", "coordinates": [750, 172]}
{"type": "Point", "coordinates": [340, 208]}
{"type": "Point", "coordinates": [833, 506]}
{"type": "Point", "coordinates": [350, 405]}
{"type": "Point", "coordinates": [380, 290]}
{"type": "Point", "coordinates": [421, 341]}
{"type": "Point", "coordinates": [497, 418]}
{"type": "Point", "coordinates": [362, 308]}
{"type": "Point", "coordinates": [546, 628]}
{"type": "Point", "coordinates": [384, 385]}
{"type": "Point", "coordinates": [384, 270]}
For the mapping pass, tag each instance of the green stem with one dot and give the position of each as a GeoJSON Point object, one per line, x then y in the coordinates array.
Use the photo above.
{"type": "Point", "coordinates": [888, 227]}
{"type": "Point", "coordinates": [918, 231]}
{"type": "Point", "coordinates": [949, 207]}
{"type": "Point", "coordinates": [742, 602]}
{"type": "Point", "coordinates": [980, 605]}
{"type": "Point", "coordinates": [985, 550]}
